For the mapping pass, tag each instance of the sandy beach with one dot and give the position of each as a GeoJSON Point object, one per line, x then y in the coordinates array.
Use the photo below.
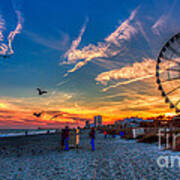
{"type": "Point", "coordinates": [38, 157]}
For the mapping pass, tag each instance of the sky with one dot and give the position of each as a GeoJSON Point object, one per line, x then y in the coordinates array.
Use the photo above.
{"type": "Point", "coordinates": [93, 58]}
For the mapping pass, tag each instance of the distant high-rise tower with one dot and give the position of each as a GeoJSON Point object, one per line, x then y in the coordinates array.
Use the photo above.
{"type": "Point", "coordinates": [87, 125]}
{"type": "Point", "coordinates": [97, 120]}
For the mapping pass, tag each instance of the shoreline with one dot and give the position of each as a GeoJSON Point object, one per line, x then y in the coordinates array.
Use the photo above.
{"type": "Point", "coordinates": [28, 133]}
{"type": "Point", "coordinates": [29, 145]}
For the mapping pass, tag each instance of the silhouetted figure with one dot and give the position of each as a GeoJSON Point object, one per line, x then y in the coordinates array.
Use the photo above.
{"type": "Point", "coordinates": [77, 137]}
{"type": "Point", "coordinates": [105, 134]}
{"type": "Point", "coordinates": [41, 92]}
{"type": "Point", "coordinates": [121, 134]}
{"type": "Point", "coordinates": [62, 138]}
{"type": "Point", "coordinates": [37, 114]}
{"type": "Point", "coordinates": [114, 133]}
{"type": "Point", "coordinates": [66, 141]}
{"type": "Point", "coordinates": [92, 136]}
{"type": "Point", "coordinates": [26, 133]}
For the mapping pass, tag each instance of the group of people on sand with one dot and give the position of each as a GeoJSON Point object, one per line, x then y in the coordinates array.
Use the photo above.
{"type": "Point", "coordinates": [65, 135]}
{"type": "Point", "coordinates": [112, 133]}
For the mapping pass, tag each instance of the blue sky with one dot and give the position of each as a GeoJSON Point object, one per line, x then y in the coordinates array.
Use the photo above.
{"type": "Point", "coordinates": [112, 35]}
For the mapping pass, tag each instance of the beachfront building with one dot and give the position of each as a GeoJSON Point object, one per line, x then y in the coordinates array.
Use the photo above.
{"type": "Point", "coordinates": [130, 122]}
{"type": "Point", "coordinates": [175, 121]}
{"type": "Point", "coordinates": [119, 123]}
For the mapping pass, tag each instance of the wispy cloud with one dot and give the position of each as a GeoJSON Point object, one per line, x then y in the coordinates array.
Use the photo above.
{"type": "Point", "coordinates": [16, 31]}
{"type": "Point", "coordinates": [75, 44]}
{"type": "Point", "coordinates": [1, 36]}
{"type": "Point", "coordinates": [2, 27]}
{"type": "Point", "coordinates": [120, 43]}
{"type": "Point", "coordinates": [102, 49]}
{"type": "Point", "coordinates": [18, 27]}
{"type": "Point", "coordinates": [50, 42]}
{"type": "Point", "coordinates": [126, 82]}
{"type": "Point", "coordinates": [87, 53]}
{"type": "Point", "coordinates": [158, 26]}
{"type": "Point", "coordinates": [3, 47]}
{"type": "Point", "coordinates": [141, 29]}
{"type": "Point", "coordinates": [136, 72]}
{"type": "Point", "coordinates": [124, 31]}
{"type": "Point", "coordinates": [6, 49]}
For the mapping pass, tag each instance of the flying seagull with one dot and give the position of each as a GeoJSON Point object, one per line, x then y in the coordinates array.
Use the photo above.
{"type": "Point", "coordinates": [40, 92]}
{"type": "Point", "coordinates": [55, 116]}
{"type": "Point", "coordinates": [37, 114]}
{"type": "Point", "coordinates": [5, 56]}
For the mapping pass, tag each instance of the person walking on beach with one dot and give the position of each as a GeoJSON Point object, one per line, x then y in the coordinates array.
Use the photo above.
{"type": "Point", "coordinates": [66, 140]}
{"type": "Point", "coordinates": [105, 134]}
{"type": "Point", "coordinates": [114, 133]}
{"type": "Point", "coordinates": [62, 138]}
{"type": "Point", "coordinates": [92, 136]}
{"type": "Point", "coordinates": [77, 137]}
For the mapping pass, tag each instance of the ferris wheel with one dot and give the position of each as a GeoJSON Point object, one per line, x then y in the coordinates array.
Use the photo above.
{"type": "Point", "coordinates": [168, 72]}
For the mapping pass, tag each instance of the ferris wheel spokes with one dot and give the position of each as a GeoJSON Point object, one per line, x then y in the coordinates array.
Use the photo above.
{"type": "Point", "coordinates": [171, 79]}
{"type": "Point", "coordinates": [174, 51]}
{"type": "Point", "coordinates": [168, 72]}
{"type": "Point", "coordinates": [170, 92]}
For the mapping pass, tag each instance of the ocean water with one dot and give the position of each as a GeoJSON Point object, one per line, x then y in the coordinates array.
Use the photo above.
{"type": "Point", "coordinates": [22, 132]}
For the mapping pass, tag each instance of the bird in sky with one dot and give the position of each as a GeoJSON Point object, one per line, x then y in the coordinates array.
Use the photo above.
{"type": "Point", "coordinates": [55, 116]}
{"type": "Point", "coordinates": [41, 92]}
{"type": "Point", "coordinates": [37, 114]}
{"type": "Point", "coordinates": [5, 56]}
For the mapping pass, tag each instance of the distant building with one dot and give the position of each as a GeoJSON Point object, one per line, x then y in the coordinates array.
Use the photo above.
{"type": "Point", "coordinates": [132, 122]}
{"type": "Point", "coordinates": [87, 125]}
{"type": "Point", "coordinates": [175, 121]}
{"type": "Point", "coordinates": [97, 121]}
{"type": "Point", "coordinates": [118, 122]}
{"type": "Point", "coordinates": [91, 125]}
